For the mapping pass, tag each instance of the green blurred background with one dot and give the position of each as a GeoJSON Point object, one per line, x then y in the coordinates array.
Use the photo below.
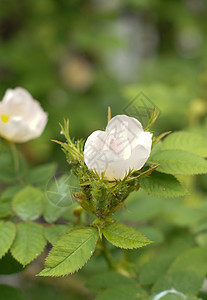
{"type": "Point", "coordinates": [79, 56]}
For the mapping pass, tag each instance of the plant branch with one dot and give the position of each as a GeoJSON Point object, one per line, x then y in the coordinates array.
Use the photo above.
{"type": "Point", "coordinates": [15, 157]}
{"type": "Point", "coordinates": [107, 255]}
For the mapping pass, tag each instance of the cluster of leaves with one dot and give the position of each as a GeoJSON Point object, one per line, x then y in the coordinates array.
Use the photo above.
{"type": "Point", "coordinates": [175, 155]}
{"type": "Point", "coordinates": [28, 212]}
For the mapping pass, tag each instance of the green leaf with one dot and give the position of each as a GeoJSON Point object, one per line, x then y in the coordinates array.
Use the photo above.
{"type": "Point", "coordinates": [54, 232]}
{"type": "Point", "coordinates": [60, 191]}
{"type": "Point", "coordinates": [186, 141]}
{"type": "Point", "coordinates": [124, 236]}
{"type": "Point", "coordinates": [9, 265]}
{"type": "Point", "coordinates": [179, 162]}
{"type": "Point", "coordinates": [41, 174]}
{"type": "Point", "coordinates": [71, 252]}
{"type": "Point", "coordinates": [28, 203]}
{"type": "Point", "coordinates": [132, 292]}
{"type": "Point", "coordinates": [11, 293]}
{"type": "Point", "coordinates": [42, 290]}
{"type": "Point", "coordinates": [142, 207]}
{"type": "Point", "coordinates": [200, 226]}
{"type": "Point", "coordinates": [7, 234]}
{"type": "Point", "coordinates": [7, 170]}
{"type": "Point", "coordinates": [6, 200]}
{"type": "Point", "coordinates": [29, 242]}
{"type": "Point", "coordinates": [106, 280]}
{"type": "Point", "coordinates": [192, 260]}
{"type": "Point", "coordinates": [7, 167]}
{"type": "Point", "coordinates": [183, 281]}
{"type": "Point", "coordinates": [154, 268]}
{"type": "Point", "coordinates": [5, 207]}
{"type": "Point", "coordinates": [51, 212]}
{"type": "Point", "coordinates": [12, 190]}
{"type": "Point", "coordinates": [162, 185]}
{"type": "Point", "coordinates": [58, 197]}
{"type": "Point", "coordinates": [201, 239]}
{"type": "Point", "coordinates": [188, 215]}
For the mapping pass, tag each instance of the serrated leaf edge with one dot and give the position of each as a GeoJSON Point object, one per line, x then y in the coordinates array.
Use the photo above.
{"type": "Point", "coordinates": [24, 265]}
{"type": "Point", "coordinates": [48, 269]}
{"type": "Point", "coordinates": [144, 243]}
{"type": "Point", "coordinates": [15, 231]}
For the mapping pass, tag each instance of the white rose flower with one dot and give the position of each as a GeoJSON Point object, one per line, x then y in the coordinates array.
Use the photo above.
{"type": "Point", "coordinates": [123, 146]}
{"type": "Point", "coordinates": [21, 117]}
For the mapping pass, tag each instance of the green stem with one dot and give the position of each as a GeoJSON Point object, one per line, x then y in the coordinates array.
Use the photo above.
{"type": "Point", "coordinates": [15, 157]}
{"type": "Point", "coordinates": [107, 255]}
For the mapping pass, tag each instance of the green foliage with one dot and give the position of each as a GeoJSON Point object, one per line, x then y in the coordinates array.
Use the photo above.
{"type": "Point", "coordinates": [71, 252]}
{"type": "Point", "coordinates": [155, 268]}
{"type": "Point", "coordinates": [52, 212]}
{"type": "Point", "coordinates": [40, 175]}
{"type": "Point", "coordinates": [10, 293]}
{"type": "Point", "coordinates": [124, 236]}
{"type": "Point", "coordinates": [59, 190]}
{"type": "Point", "coordinates": [142, 207]}
{"type": "Point", "coordinates": [6, 200]}
{"type": "Point", "coordinates": [162, 185]}
{"type": "Point", "coordinates": [9, 265]}
{"type": "Point", "coordinates": [8, 173]}
{"type": "Point", "coordinates": [43, 290]}
{"type": "Point", "coordinates": [28, 203]}
{"type": "Point", "coordinates": [107, 280]}
{"type": "Point", "coordinates": [186, 141]}
{"type": "Point", "coordinates": [154, 234]}
{"type": "Point", "coordinates": [54, 232]}
{"type": "Point", "coordinates": [7, 235]}
{"type": "Point", "coordinates": [92, 37]}
{"type": "Point", "coordinates": [29, 242]}
{"type": "Point", "coordinates": [11, 191]}
{"type": "Point", "coordinates": [183, 215]}
{"type": "Point", "coordinates": [5, 207]}
{"type": "Point", "coordinates": [132, 292]}
{"type": "Point", "coordinates": [59, 198]}
{"type": "Point", "coordinates": [184, 281]}
{"type": "Point", "coordinates": [192, 260]}
{"type": "Point", "coordinates": [179, 162]}
{"type": "Point", "coordinates": [201, 239]}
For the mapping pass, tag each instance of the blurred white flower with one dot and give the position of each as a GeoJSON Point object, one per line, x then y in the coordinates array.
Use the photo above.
{"type": "Point", "coordinates": [21, 117]}
{"type": "Point", "coordinates": [123, 146]}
